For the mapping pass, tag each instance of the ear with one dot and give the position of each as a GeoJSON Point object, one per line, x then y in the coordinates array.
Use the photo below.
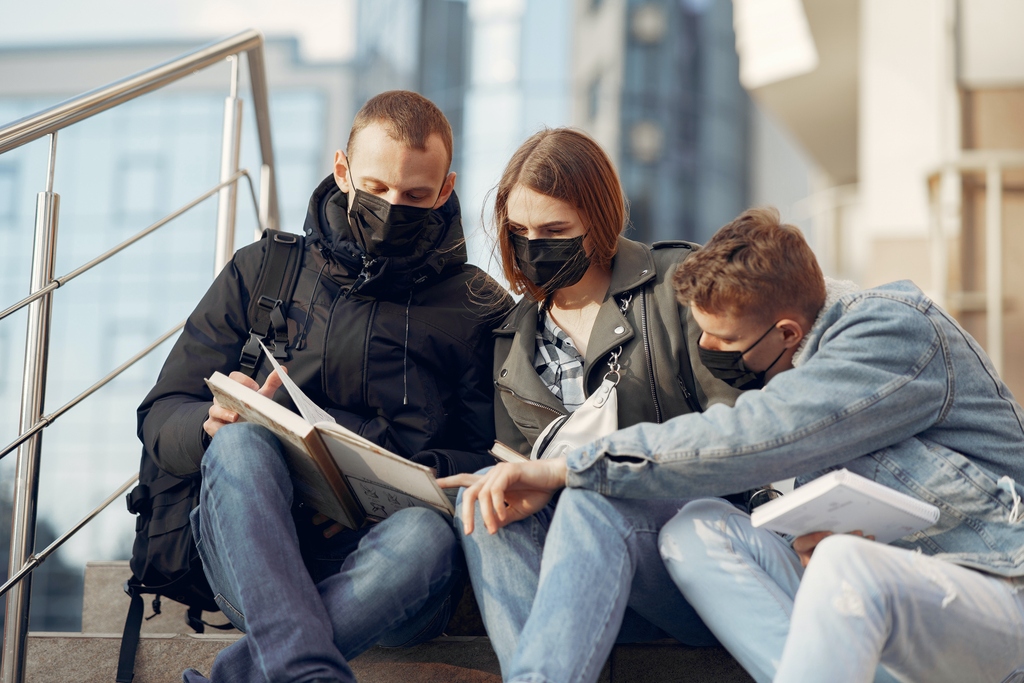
{"type": "Point", "coordinates": [792, 332]}
{"type": "Point", "coordinates": [446, 191]}
{"type": "Point", "coordinates": [342, 177]}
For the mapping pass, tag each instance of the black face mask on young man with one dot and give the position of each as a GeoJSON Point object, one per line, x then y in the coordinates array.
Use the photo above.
{"type": "Point", "coordinates": [551, 264]}
{"type": "Point", "coordinates": [385, 229]}
{"type": "Point", "coordinates": [729, 366]}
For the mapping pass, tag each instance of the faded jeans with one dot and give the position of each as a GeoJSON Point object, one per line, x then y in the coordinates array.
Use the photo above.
{"type": "Point", "coordinates": [554, 588]}
{"type": "Point", "coordinates": [859, 604]}
{"type": "Point", "coordinates": [309, 604]}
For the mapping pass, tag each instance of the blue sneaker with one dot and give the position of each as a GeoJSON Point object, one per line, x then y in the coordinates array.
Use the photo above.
{"type": "Point", "coordinates": [193, 676]}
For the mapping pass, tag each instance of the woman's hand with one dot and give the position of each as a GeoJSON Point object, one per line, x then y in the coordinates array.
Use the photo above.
{"type": "Point", "coordinates": [509, 492]}
{"type": "Point", "coordinates": [805, 545]}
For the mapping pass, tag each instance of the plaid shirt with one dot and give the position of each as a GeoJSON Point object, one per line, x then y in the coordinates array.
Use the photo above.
{"type": "Point", "coordinates": [558, 363]}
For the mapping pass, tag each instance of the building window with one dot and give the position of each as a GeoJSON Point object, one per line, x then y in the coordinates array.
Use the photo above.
{"type": "Point", "coordinates": [649, 24]}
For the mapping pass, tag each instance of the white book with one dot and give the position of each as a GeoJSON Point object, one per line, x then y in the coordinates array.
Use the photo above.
{"type": "Point", "coordinates": [841, 502]}
{"type": "Point", "coordinates": [339, 473]}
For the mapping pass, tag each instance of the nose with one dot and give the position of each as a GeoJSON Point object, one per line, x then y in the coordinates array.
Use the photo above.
{"type": "Point", "coordinates": [705, 343]}
{"type": "Point", "coordinates": [392, 197]}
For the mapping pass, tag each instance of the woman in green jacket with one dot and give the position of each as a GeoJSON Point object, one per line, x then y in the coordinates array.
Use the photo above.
{"type": "Point", "coordinates": [591, 298]}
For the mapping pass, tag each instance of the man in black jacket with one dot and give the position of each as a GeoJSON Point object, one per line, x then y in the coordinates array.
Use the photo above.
{"type": "Point", "coordinates": [388, 330]}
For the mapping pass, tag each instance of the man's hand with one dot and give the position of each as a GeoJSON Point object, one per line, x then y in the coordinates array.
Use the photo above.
{"type": "Point", "coordinates": [509, 492]}
{"type": "Point", "coordinates": [805, 545]}
{"type": "Point", "coordinates": [220, 416]}
{"type": "Point", "coordinates": [319, 518]}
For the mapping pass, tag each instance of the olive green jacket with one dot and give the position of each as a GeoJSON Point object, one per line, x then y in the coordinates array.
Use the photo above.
{"type": "Point", "coordinates": [658, 378]}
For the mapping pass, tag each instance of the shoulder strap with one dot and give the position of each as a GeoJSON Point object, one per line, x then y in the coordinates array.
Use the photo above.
{"type": "Point", "coordinates": [130, 637]}
{"type": "Point", "coordinates": [279, 272]}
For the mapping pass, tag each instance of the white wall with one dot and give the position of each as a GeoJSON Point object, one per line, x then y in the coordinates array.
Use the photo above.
{"type": "Point", "coordinates": [992, 52]}
{"type": "Point", "coordinates": [903, 130]}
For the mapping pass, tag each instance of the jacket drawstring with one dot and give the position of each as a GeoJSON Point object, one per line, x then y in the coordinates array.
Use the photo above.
{"type": "Point", "coordinates": [1007, 484]}
{"type": "Point", "coordinates": [300, 341]}
{"type": "Point", "coordinates": [405, 356]}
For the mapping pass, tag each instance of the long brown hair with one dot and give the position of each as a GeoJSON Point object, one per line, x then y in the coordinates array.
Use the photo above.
{"type": "Point", "coordinates": [569, 165]}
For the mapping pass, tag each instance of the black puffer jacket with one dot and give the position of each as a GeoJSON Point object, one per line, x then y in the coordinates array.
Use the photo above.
{"type": "Point", "coordinates": [398, 350]}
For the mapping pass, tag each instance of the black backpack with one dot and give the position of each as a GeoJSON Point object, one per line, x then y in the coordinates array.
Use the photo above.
{"type": "Point", "coordinates": [165, 561]}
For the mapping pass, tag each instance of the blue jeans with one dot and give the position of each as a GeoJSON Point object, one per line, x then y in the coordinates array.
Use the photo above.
{"type": "Point", "coordinates": [859, 605]}
{"type": "Point", "coordinates": [554, 589]}
{"type": "Point", "coordinates": [309, 604]}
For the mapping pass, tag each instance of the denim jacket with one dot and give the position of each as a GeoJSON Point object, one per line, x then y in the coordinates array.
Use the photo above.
{"type": "Point", "coordinates": [892, 388]}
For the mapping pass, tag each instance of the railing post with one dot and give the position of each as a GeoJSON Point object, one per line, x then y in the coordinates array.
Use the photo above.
{"type": "Point", "coordinates": [947, 224]}
{"type": "Point", "coordinates": [261, 107]}
{"type": "Point", "coordinates": [266, 183]}
{"type": "Point", "coordinates": [230, 150]}
{"type": "Point", "coordinates": [994, 264]}
{"type": "Point", "coordinates": [26, 484]}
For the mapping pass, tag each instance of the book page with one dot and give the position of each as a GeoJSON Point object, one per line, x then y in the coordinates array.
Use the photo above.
{"type": "Point", "coordinates": [323, 489]}
{"type": "Point", "coordinates": [367, 466]}
{"type": "Point", "coordinates": [307, 408]}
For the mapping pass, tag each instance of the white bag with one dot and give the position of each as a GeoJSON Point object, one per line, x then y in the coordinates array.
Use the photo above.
{"type": "Point", "coordinates": [597, 417]}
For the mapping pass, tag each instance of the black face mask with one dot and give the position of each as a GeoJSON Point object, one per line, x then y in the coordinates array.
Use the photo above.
{"type": "Point", "coordinates": [729, 367]}
{"type": "Point", "coordinates": [551, 264]}
{"type": "Point", "coordinates": [385, 229]}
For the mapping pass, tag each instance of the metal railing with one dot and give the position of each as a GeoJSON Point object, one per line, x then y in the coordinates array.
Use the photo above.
{"type": "Point", "coordinates": [43, 283]}
{"type": "Point", "coordinates": [945, 185]}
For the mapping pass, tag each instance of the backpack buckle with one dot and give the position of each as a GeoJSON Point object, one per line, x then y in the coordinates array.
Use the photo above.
{"type": "Point", "coordinates": [250, 355]}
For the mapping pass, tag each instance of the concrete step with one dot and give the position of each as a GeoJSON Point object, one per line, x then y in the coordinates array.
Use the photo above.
{"type": "Point", "coordinates": [105, 604]}
{"type": "Point", "coordinates": [168, 646]}
{"type": "Point", "coordinates": [92, 658]}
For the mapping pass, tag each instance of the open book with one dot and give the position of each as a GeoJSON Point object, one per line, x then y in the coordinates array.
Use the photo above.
{"type": "Point", "coordinates": [334, 470]}
{"type": "Point", "coordinates": [842, 501]}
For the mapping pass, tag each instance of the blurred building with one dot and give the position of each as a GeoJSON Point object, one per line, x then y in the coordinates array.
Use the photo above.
{"type": "Point", "coordinates": [519, 83]}
{"type": "Point", "coordinates": [913, 115]}
{"type": "Point", "coordinates": [419, 45]}
{"type": "Point", "coordinates": [116, 173]}
{"type": "Point", "coordinates": [656, 82]}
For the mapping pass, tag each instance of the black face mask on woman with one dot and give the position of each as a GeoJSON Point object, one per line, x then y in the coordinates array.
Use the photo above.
{"type": "Point", "coordinates": [385, 229]}
{"type": "Point", "coordinates": [551, 264]}
{"type": "Point", "coordinates": [729, 366]}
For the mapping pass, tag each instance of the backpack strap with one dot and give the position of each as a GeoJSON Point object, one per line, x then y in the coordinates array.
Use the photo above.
{"type": "Point", "coordinates": [132, 631]}
{"type": "Point", "coordinates": [279, 272]}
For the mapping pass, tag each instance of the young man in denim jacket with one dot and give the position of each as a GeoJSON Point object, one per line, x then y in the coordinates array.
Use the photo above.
{"type": "Point", "coordinates": [882, 382]}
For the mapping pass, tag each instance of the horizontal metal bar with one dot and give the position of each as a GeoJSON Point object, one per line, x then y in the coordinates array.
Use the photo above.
{"type": "Point", "coordinates": [47, 420]}
{"type": "Point", "coordinates": [37, 559]}
{"type": "Point", "coordinates": [99, 100]}
{"type": "Point", "coordinates": [60, 281]}
{"type": "Point", "coordinates": [981, 160]}
{"type": "Point", "coordinates": [152, 228]}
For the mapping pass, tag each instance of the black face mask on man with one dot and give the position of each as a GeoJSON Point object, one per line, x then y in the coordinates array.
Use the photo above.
{"type": "Point", "coordinates": [385, 229]}
{"type": "Point", "coordinates": [729, 366]}
{"type": "Point", "coordinates": [551, 264]}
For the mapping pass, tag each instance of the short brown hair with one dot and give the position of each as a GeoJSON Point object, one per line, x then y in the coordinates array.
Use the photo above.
{"type": "Point", "coordinates": [410, 118]}
{"type": "Point", "coordinates": [755, 265]}
{"type": "Point", "coordinates": [569, 165]}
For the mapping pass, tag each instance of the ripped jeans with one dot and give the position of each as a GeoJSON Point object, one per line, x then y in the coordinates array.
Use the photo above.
{"type": "Point", "coordinates": [859, 604]}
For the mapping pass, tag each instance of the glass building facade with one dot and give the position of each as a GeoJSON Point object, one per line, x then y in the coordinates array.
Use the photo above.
{"type": "Point", "coordinates": [683, 118]}
{"type": "Point", "coordinates": [117, 173]}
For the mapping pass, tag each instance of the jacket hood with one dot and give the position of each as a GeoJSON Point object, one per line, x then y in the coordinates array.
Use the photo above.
{"type": "Point", "coordinates": [327, 230]}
